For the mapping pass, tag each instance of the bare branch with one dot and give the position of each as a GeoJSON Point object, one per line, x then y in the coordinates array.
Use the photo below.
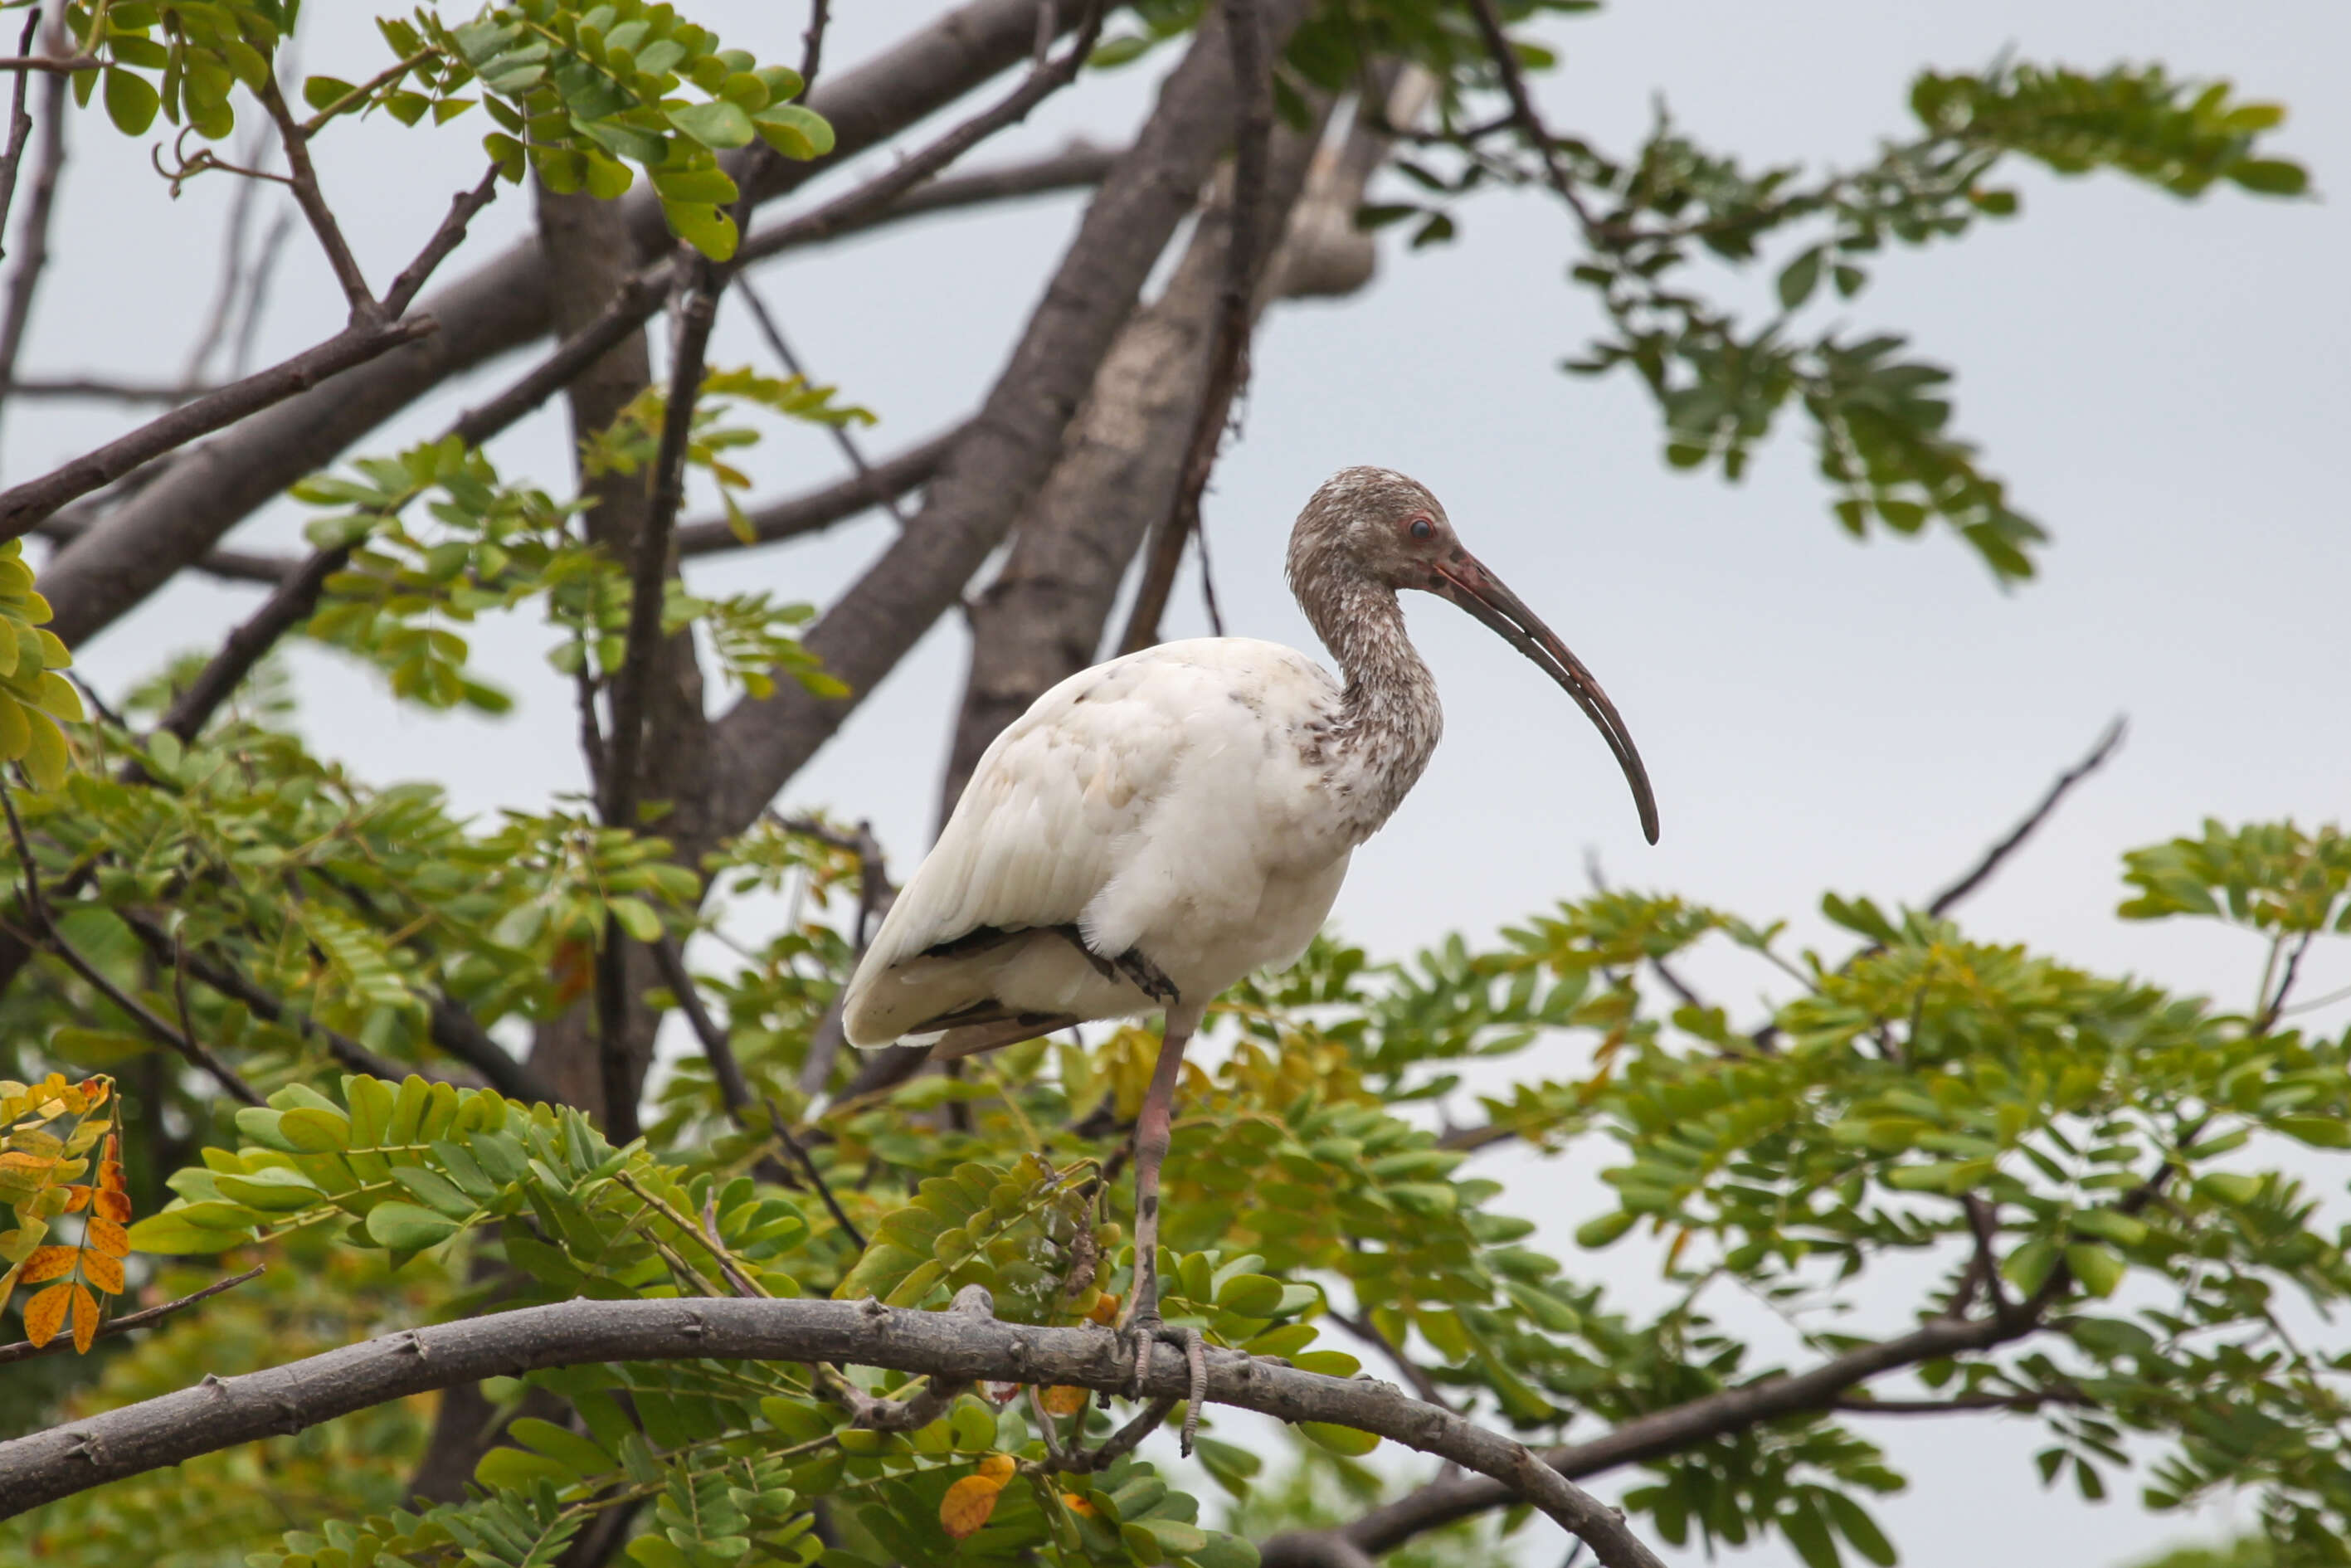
{"type": "Point", "coordinates": [462, 206]}
{"type": "Point", "coordinates": [497, 308]}
{"type": "Point", "coordinates": [869, 201]}
{"type": "Point", "coordinates": [1075, 167]}
{"type": "Point", "coordinates": [77, 1455]}
{"type": "Point", "coordinates": [304, 180]}
{"type": "Point", "coordinates": [460, 1034]}
{"type": "Point", "coordinates": [33, 238]}
{"type": "Point", "coordinates": [65, 66]}
{"type": "Point", "coordinates": [880, 494]}
{"type": "Point", "coordinates": [24, 505]}
{"type": "Point", "coordinates": [893, 476]}
{"type": "Point", "coordinates": [992, 475]}
{"type": "Point", "coordinates": [2107, 744]}
{"type": "Point", "coordinates": [1251, 240]}
{"type": "Point", "coordinates": [812, 42]}
{"type": "Point", "coordinates": [1674, 1429]}
{"type": "Point", "coordinates": [289, 606]}
{"type": "Point", "coordinates": [1505, 55]}
{"type": "Point", "coordinates": [26, 1350]}
{"type": "Point", "coordinates": [20, 126]}
{"type": "Point", "coordinates": [101, 389]}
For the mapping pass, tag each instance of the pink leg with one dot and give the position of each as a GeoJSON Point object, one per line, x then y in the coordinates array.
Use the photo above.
{"type": "Point", "coordinates": [1150, 1135]}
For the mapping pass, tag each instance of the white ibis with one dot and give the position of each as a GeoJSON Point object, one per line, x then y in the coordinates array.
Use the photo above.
{"type": "Point", "coordinates": [1157, 827]}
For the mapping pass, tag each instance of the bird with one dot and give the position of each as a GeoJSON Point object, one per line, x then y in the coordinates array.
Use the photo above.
{"type": "Point", "coordinates": [1156, 827]}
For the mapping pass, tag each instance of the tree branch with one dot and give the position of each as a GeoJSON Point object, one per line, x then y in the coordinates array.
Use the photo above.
{"type": "Point", "coordinates": [35, 236]}
{"type": "Point", "coordinates": [498, 308]}
{"type": "Point", "coordinates": [303, 180]}
{"type": "Point", "coordinates": [76, 1456]}
{"type": "Point", "coordinates": [988, 479]}
{"type": "Point", "coordinates": [47, 933]}
{"type": "Point", "coordinates": [1251, 239]}
{"type": "Point", "coordinates": [26, 1350]}
{"type": "Point", "coordinates": [1678, 1429]}
{"type": "Point", "coordinates": [1075, 167]}
{"type": "Point", "coordinates": [2107, 744]}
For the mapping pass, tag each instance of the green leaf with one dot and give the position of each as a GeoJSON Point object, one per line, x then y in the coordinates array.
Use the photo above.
{"type": "Point", "coordinates": [720, 125]}
{"type": "Point", "coordinates": [794, 131]}
{"type": "Point", "coordinates": [405, 1227]}
{"type": "Point", "coordinates": [132, 102]}
{"type": "Point", "coordinates": [171, 1233]}
{"type": "Point", "coordinates": [2097, 1266]}
{"type": "Point", "coordinates": [1345, 1441]}
{"type": "Point", "coordinates": [1800, 277]}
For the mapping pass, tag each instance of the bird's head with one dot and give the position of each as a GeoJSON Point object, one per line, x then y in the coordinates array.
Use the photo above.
{"type": "Point", "coordinates": [1376, 526]}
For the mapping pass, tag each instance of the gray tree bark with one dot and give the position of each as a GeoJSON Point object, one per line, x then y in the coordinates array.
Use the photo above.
{"type": "Point", "coordinates": [994, 471]}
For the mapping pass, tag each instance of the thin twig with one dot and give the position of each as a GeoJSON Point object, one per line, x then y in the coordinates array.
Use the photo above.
{"type": "Point", "coordinates": [101, 388]}
{"type": "Point", "coordinates": [1505, 55]}
{"type": "Point", "coordinates": [35, 237]}
{"type": "Point", "coordinates": [816, 1178]}
{"type": "Point", "coordinates": [47, 934]}
{"type": "Point", "coordinates": [882, 496]}
{"type": "Point", "coordinates": [463, 207]}
{"type": "Point", "coordinates": [1246, 251]}
{"type": "Point", "coordinates": [2276, 1003]}
{"type": "Point", "coordinates": [229, 982]}
{"type": "Point", "coordinates": [233, 270]}
{"type": "Point", "coordinates": [20, 127]}
{"type": "Point", "coordinates": [25, 1349]}
{"type": "Point", "coordinates": [734, 1089]}
{"type": "Point", "coordinates": [61, 67]}
{"type": "Point", "coordinates": [869, 200]}
{"type": "Point", "coordinates": [1075, 167]}
{"type": "Point", "coordinates": [304, 181]}
{"type": "Point", "coordinates": [2107, 744]}
{"type": "Point", "coordinates": [812, 43]}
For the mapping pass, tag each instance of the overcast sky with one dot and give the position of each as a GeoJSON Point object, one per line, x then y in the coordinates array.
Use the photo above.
{"type": "Point", "coordinates": [2163, 384]}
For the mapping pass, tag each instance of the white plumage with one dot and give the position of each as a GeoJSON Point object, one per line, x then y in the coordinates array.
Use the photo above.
{"type": "Point", "coordinates": [1162, 802]}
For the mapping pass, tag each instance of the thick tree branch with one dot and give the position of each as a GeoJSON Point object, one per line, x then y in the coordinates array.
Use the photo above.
{"type": "Point", "coordinates": [498, 308]}
{"type": "Point", "coordinates": [24, 505]}
{"type": "Point", "coordinates": [1040, 619]}
{"type": "Point", "coordinates": [220, 1413]}
{"type": "Point", "coordinates": [988, 478]}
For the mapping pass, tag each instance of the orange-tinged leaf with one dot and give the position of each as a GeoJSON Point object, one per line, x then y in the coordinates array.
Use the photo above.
{"type": "Point", "coordinates": [1062, 1400]}
{"type": "Point", "coordinates": [966, 1506]}
{"type": "Point", "coordinates": [77, 1200]}
{"type": "Point", "coordinates": [45, 1314]}
{"type": "Point", "coordinates": [1103, 1311]}
{"type": "Point", "coordinates": [49, 1263]}
{"type": "Point", "coordinates": [109, 1173]}
{"type": "Point", "coordinates": [999, 1468]}
{"type": "Point", "coordinates": [114, 1205]}
{"type": "Point", "coordinates": [103, 1271]}
{"type": "Point", "coordinates": [31, 1165]}
{"type": "Point", "coordinates": [86, 1316]}
{"type": "Point", "coordinates": [1077, 1504]}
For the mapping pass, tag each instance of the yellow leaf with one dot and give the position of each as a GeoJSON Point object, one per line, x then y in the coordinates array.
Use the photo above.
{"type": "Point", "coordinates": [50, 1263]}
{"type": "Point", "coordinates": [108, 1237]}
{"type": "Point", "coordinates": [86, 1314]}
{"type": "Point", "coordinates": [1062, 1401]}
{"type": "Point", "coordinates": [77, 1198]}
{"type": "Point", "coordinates": [45, 1314]}
{"type": "Point", "coordinates": [103, 1271]}
{"type": "Point", "coordinates": [114, 1205]}
{"type": "Point", "coordinates": [970, 1501]}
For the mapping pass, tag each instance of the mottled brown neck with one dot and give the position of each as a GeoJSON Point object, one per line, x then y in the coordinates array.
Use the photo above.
{"type": "Point", "coordinates": [1387, 719]}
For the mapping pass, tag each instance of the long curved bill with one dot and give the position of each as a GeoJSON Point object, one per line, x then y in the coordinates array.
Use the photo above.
{"type": "Point", "coordinates": [1467, 583]}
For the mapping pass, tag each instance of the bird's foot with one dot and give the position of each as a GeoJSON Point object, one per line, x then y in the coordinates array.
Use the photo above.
{"type": "Point", "coordinates": [1148, 977]}
{"type": "Point", "coordinates": [1144, 1331]}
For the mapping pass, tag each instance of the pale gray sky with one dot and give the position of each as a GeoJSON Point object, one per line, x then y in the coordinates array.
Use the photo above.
{"type": "Point", "coordinates": [2162, 384]}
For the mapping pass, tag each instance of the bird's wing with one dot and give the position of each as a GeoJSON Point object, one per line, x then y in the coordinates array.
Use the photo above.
{"type": "Point", "coordinates": [1052, 805]}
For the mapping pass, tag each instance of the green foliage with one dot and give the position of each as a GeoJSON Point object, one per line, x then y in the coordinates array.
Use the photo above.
{"type": "Point", "coordinates": [34, 699]}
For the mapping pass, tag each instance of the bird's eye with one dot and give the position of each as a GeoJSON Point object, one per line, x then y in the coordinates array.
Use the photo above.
{"type": "Point", "coordinates": [1423, 529]}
